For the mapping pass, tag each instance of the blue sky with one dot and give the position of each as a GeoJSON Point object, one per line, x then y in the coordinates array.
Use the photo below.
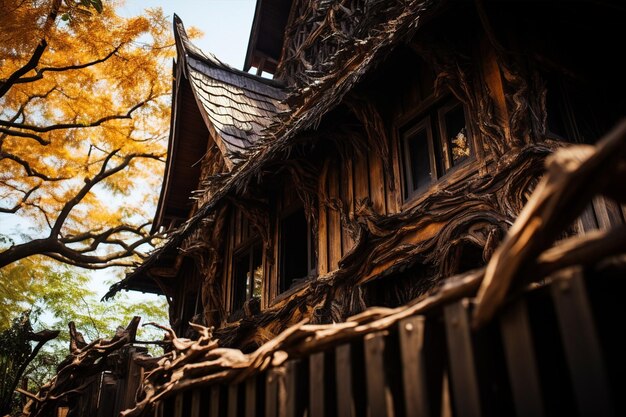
{"type": "Point", "coordinates": [226, 23]}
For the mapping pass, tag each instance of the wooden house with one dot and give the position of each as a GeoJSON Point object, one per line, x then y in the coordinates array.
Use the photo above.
{"type": "Point", "coordinates": [394, 146]}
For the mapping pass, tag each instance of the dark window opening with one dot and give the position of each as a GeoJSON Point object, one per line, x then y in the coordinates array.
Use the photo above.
{"type": "Point", "coordinates": [247, 275]}
{"type": "Point", "coordinates": [577, 112]}
{"type": "Point", "coordinates": [297, 254]}
{"type": "Point", "coordinates": [435, 143]}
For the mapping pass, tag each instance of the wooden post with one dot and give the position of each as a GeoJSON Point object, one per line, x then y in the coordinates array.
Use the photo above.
{"type": "Point", "coordinates": [195, 403]}
{"type": "Point", "coordinates": [316, 385]}
{"type": "Point", "coordinates": [232, 400]}
{"type": "Point", "coordinates": [520, 360]}
{"type": "Point", "coordinates": [461, 357]}
{"type": "Point", "coordinates": [343, 370]}
{"type": "Point", "coordinates": [178, 405]}
{"type": "Point", "coordinates": [377, 390]}
{"type": "Point", "coordinates": [270, 394]}
{"type": "Point", "coordinates": [214, 404]}
{"type": "Point", "coordinates": [411, 333]}
{"type": "Point", "coordinates": [581, 344]}
{"type": "Point", "coordinates": [250, 397]}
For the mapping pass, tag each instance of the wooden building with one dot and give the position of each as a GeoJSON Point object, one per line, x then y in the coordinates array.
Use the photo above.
{"type": "Point", "coordinates": [394, 146]}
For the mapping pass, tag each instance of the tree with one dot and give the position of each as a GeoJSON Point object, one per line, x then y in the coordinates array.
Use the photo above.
{"type": "Point", "coordinates": [83, 114]}
{"type": "Point", "coordinates": [49, 297]}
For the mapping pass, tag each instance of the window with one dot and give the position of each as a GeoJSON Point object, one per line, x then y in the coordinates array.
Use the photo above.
{"type": "Point", "coordinates": [297, 252]}
{"type": "Point", "coordinates": [433, 144]}
{"type": "Point", "coordinates": [247, 275]}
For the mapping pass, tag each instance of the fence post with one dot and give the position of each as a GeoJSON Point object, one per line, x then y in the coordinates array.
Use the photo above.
{"type": "Point", "coordinates": [411, 334]}
{"type": "Point", "coordinates": [377, 390]}
{"type": "Point", "coordinates": [581, 344]}
{"type": "Point", "coordinates": [465, 391]}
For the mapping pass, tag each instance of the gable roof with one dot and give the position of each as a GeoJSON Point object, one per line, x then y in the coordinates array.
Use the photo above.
{"type": "Point", "coordinates": [210, 100]}
{"type": "Point", "coordinates": [236, 106]}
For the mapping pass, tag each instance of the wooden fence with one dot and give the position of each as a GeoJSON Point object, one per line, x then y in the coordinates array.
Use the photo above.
{"type": "Point", "coordinates": [107, 393]}
{"type": "Point", "coordinates": [556, 349]}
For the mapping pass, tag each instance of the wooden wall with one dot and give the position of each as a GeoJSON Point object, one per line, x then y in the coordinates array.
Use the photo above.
{"type": "Point", "coordinates": [350, 182]}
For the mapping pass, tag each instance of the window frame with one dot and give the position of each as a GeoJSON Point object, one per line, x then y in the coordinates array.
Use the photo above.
{"type": "Point", "coordinates": [248, 247]}
{"type": "Point", "coordinates": [311, 253]}
{"type": "Point", "coordinates": [431, 111]}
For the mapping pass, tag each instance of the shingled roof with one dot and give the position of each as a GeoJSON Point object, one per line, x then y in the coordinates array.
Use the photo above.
{"type": "Point", "coordinates": [235, 105]}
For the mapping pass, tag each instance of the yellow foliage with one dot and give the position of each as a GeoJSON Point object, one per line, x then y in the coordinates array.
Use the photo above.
{"type": "Point", "coordinates": [102, 84]}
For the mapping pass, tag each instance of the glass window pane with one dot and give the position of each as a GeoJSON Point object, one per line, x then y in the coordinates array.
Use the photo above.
{"type": "Point", "coordinates": [257, 270]}
{"type": "Point", "coordinates": [456, 135]}
{"type": "Point", "coordinates": [419, 159]}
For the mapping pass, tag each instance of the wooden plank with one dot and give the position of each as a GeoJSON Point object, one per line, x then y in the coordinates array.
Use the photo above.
{"type": "Point", "coordinates": [377, 182]}
{"type": "Point", "coordinates": [250, 397]}
{"type": "Point", "coordinates": [334, 220]}
{"type": "Point", "coordinates": [271, 386]}
{"type": "Point", "coordinates": [214, 402]}
{"type": "Point", "coordinates": [466, 396]}
{"type": "Point", "coordinates": [178, 405]}
{"type": "Point", "coordinates": [346, 191]}
{"type": "Point", "coordinates": [411, 334]}
{"type": "Point", "coordinates": [287, 396]}
{"type": "Point", "coordinates": [232, 400]}
{"type": "Point", "coordinates": [607, 213]}
{"type": "Point", "coordinates": [158, 409]}
{"type": "Point", "coordinates": [377, 390]}
{"type": "Point", "coordinates": [343, 376]}
{"type": "Point", "coordinates": [581, 344]}
{"type": "Point", "coordinates": [520, 359]}
{"type": "Point", "coordinates": [196, 398]}
{"type": "Point", "coordinates": [316, 385]}
{"type": "Point", "coordinates": [586, 222]}
{"type": "Point", "coordinates": [322, 229]}
{"type": "Point", "coordinates": [361, 179]}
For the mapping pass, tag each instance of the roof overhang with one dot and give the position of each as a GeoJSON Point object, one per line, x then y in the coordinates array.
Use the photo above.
{"type": "Point", "coordinates": [267, 35]}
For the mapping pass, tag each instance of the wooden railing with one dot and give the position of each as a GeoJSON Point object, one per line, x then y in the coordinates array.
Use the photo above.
{"type": "Point", "coordinates": [546, 354]}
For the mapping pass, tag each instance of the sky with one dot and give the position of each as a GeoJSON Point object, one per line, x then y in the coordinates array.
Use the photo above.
{"type": "Point", "coordinates": [226, 27]}
{"type": "Point", "coordinates": [225, 23]}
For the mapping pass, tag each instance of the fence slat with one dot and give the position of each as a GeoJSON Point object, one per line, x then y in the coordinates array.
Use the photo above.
{"type": "Point", "coordinates": [287, 394]}
{"type": "Point", "coordinates": [232, 400]}
{"type": "Point", "coordinates": [374, 346]}
{"type": "Point", "coordinates": [520, 359]}
{"type": "Point", "coordinates": [343, 371]}
{"type": "Point", "coordinates": [411, 333]}
{"type": "Point", "coordinates": [465, 392]}
{"type": "Point", "coordinates": [178, 405]}
{"type": "Point", "coordinates": [581, 344]}
{"type": "Point", "coordinates": [316, 385]}
{"type": "Point", "coordinates": [195, 403]}
{"type": "Point", "coordinates": [251, 397]}
{"type": "Point", "coordinates": [158, 409]}
{"type": "Point", "coordinates": [214, 404]}
{"type": "Point", "coordinates": [270, 394]}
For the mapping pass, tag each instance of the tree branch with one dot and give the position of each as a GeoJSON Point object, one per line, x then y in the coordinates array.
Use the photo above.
{"type": "Point", "coordinates": [59, 126]}
{"type": "Point", "coordinates": [31, 172]}
{"type": "Point", "coordinates": [32, 63]}
{"type": "Point", "coordinates": [55, 245]}
{"type": "Point", "coordinates": [17, 133]}
{"type": "Point", "coordinates": [21, 203]}
{"type": "Point", "coordinates": [40, 72]}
